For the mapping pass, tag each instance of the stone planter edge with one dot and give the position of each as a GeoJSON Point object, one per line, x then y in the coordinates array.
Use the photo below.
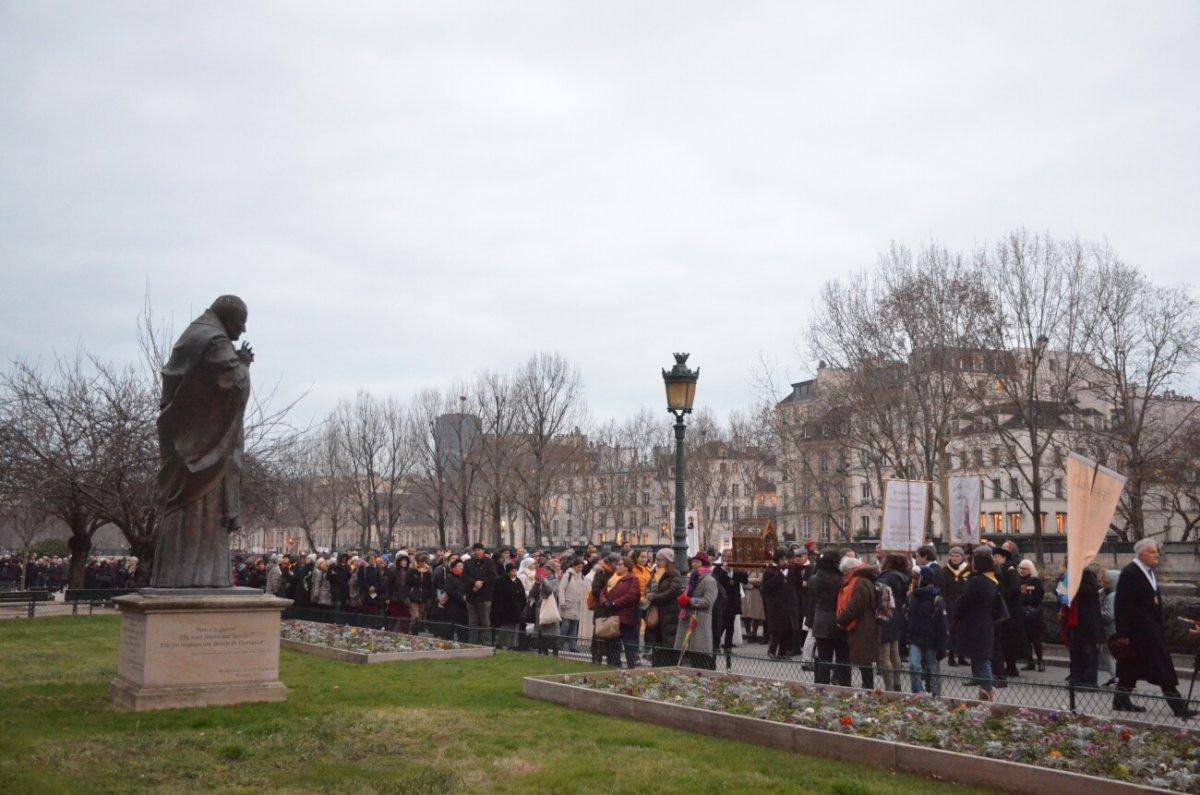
{"type": "Point", "coordinates": [915, 760]}
{"type": "Point", "coordinates": [375, 658]}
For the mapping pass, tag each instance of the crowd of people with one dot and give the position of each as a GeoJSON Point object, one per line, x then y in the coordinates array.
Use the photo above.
{"type": "Point", "coordinates": [50, 573]}
{"type": "Point", "coordinates": [983, 609]}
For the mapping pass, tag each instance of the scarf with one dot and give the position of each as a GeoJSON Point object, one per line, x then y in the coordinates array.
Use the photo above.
{"type": "Point", "coordinates": [693, 581]}
{"type": "Point", "coordinates": [846, 593]}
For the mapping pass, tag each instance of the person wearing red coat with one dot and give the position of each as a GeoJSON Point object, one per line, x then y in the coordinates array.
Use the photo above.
{"type": "Point", "coordinates": [620, 598]}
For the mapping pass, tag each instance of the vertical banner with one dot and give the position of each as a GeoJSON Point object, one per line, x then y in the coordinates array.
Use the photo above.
{"type": "Point", "coordinates": [905, 512]}
{"type": "Point", "coordinates": [1093, 492]}
{"type": "Point", "coordinates": [691, 520]}
{"type": "Point", "coordinates": [964, 510]}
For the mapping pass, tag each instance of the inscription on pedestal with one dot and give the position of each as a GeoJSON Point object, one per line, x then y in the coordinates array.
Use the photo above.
{"type": "Point", "coordinates": [194, 651]}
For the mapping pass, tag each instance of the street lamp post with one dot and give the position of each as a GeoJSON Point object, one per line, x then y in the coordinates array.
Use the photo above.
{"type": "Point", "coordinates": [681, 393]}
{"type": "Point", "coordinates": [1034, 417]}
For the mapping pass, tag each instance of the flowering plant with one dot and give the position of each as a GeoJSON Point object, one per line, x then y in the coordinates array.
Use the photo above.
{"type": "Point", "coordinates": [361, 639]}
{"type": "Point", "coordinates": [1064, 741]}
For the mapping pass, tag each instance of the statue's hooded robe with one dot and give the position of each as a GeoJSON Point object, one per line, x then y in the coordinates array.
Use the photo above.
{"type": "Point", "coordinates": [205, 390]}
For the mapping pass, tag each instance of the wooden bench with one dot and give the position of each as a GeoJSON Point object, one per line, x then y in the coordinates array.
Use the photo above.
{"type": "Point", "coordinates": [93, 597]}
{"type": "Point", "coordinates": [29, 598]}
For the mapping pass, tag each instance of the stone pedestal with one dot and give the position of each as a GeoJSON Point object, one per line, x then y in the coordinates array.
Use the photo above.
{"type": "Point", "coordinates": [198, 648]}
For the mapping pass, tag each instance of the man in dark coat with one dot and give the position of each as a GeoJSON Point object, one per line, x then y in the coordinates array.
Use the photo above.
{"type": "Point", "coordinates": [479, 574]}
{"type": "Point", "coordinates": [1086, 631]}
{"type": "Point", "coordinates": [1010, 633]}
{"type": "Point", "coordinates": [1141, 646]}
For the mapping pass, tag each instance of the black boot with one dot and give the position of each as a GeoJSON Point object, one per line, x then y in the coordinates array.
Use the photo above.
{"type": "Point", "coordinates": [1122, 702]}
{"type": "Point", "coordinates": [950, 661]}
{"type": "Point", "coordinates": [1041, 667]}
{"type": "Point", "coordinates": [1179, 706]}
{"type": "Point", "coordinates": [1028, 666]}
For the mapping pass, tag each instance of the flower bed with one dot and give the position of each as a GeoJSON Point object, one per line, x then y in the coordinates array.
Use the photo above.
{"type": "Point", "coordinates": [1010, 748]}
{"type": "Point", "coordinates": [361, 645]}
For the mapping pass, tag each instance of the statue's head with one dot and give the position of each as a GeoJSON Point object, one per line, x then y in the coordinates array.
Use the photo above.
{"type": "Point", "coordinates": [233, 313]}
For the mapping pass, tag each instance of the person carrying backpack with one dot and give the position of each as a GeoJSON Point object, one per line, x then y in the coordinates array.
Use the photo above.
{"type": "Point", "coordinates": [856, 615]}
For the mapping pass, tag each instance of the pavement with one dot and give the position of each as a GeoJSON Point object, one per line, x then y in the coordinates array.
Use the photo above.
{"type": "Point", "coordinates": [1042, 689]}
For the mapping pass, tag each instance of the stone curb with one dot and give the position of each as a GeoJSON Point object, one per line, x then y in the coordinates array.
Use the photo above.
{"type": "Point", "coordinates": [371, 658]}
{"type": "Point", "coordinates": [921, 761]}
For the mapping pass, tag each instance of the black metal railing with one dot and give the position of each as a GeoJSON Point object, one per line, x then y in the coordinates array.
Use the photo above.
{"type": "Point", "coordinates": [1013, 691]}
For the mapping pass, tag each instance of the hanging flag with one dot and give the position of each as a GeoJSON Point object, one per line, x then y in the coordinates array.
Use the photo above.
{"type": "Point", "coordinates": [1093, 492]}
{"type": "Point", "coordinates": [964, 510]}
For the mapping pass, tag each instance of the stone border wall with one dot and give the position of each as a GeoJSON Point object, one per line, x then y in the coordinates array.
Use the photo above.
{"type": "Point", "coordinates": [369, 658]}
{"type": "Point", "coordinates": [920, 761]}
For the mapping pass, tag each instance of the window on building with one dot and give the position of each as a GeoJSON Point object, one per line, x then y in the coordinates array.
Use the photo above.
{"type": "Point", "coordinates": [762, 498]}
{"type": "Point", "coordinates": [997, 492]}
{"type": "Point", "coordinates": [603, 498]}
{"type": "Point", "coordinates": [866, 491]}
{"type": "Point", "coordinates": [603, 518]}
{"type": "Point", "coordinates": [1060, 523]}
{"type": "Point", "coordinates": [824, 464]}
{"type": "Point", "coordinates": [645, 498]}
{"type": "Point", "coordinates": [554, 526]}
{"type": "Point", "coordinates": [1042, 521]}
{"type": "Point", "coordinates": [997, 522]}
{"type": "Point", "coordinates": [569, 528]}
{"type": "Point", "coordinates": [747, 490]}
{"type": "Point", "coordinates": [979, 457]}
{"type": "Point", "coordinates": [735, 489]}
{"type": "Point", "coordinates": [708, 513]}
{"type": "Point", "coordinates": [1059, 490]}
{"type": "Point", "coordinates": [1014, 488]}
{"type": "Point", "coordinates": [807, 526]}
{"type": "Point", "coordinates": [736, 513]}
{"type": "Point", "coordinates": [994, 456]}
{"type": "Point", "coordinates": [570, 505]}
{"type": "Point", "coordinates": [1014, 522]}
{"type": "Point", "coordinates": [982, 522]}
{"type": "Point", "coordinates": [645, 518]}
{"type": "Point", "coordinates": [724, 513]}
{"type": "Point", "coordinates": [864, 523]}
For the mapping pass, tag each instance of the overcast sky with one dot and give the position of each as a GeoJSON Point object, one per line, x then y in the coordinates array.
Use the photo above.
{"type": "Point", "coordinates": [409, 193]}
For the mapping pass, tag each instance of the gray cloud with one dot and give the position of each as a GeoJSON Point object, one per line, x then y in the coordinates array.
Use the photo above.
{"type": "Point", "coordinates": [409, 194]}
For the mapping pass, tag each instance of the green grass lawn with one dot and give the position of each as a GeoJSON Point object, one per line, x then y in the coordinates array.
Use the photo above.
{"type": "Point", "coordinates": [422, 727]}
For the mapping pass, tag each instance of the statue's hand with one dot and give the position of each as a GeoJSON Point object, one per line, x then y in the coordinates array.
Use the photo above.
{"type": "Point", "coordinates": [246, 353]}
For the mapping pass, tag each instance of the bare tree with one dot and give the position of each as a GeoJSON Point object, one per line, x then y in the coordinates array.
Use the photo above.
{"type": "Point", "coordinates": [431, 479]}
{"type": "Point", "coordinates": [1039, 289]}
{"type": "Point", "coordinates": [549, 404]}
{"type": "Point", "coordinates": [61, 456]}
{"type": "Point", "coordinates": [378, 459]}
{"type": "Point", "coordinates": [1145, 340]}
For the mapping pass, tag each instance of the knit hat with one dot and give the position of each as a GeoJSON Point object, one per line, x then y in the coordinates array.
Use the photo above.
{"type": "Point", "coordinates": [703, 557]}
{"type": "Point", "coordinates": [810, 544]}
{"type": "Point", "coordinates": [666, 552]}
{"type": "Point", "coordinates": [958, 550]}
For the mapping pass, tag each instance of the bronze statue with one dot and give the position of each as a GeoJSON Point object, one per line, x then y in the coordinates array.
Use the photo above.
{"type": "Point", "coordinates": [206, 385]}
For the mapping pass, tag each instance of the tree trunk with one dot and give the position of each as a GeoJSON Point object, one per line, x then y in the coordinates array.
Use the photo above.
{"type": "Point", "coordinates": [80, 544]}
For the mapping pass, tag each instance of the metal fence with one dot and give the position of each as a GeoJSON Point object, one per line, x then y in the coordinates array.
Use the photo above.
{"type": "Point", "coordinates": [1018, 692]}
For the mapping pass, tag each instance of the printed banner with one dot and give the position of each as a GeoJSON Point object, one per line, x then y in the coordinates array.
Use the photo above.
{"type": "Point", "coordinates": [1093, 492]}
{"type": "Point", "coordinates": [964, 510]}
{"type": "Point", "coordinates": [905, 508]}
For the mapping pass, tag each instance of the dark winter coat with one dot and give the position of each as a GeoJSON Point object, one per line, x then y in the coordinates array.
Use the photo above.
{"type": "Point", "coordinates": [482, 570]}
{"type": "Point", "coordinates": [1140, 618]}
{"type": "Point", "coordinates": [664, 594]}
{"type": "Point", "coordinates": [780, 600]}
{"type": "Point", "coordinates": [622, 600]}
{"type": "Point", "coordinates": [1031, 606]}
{"type": "Point", "coordinates": [974, 612]}
{"type": "Point", "coordinates": [823, 589]}
{"type": "Point", "coordinates": [860, 611]}
{"type": "Point", "coordinates": [893, 631]}
{"type": "Point", "coordinates": [927, 625]}
{"type": "Point", "coordinates": [456, 592]}
{"type": "Point", "coordinates": [1016, 643]}
{"type": "Point", "coordinates": [1090, 629]}
{"type": "Point", "coordinates": [508, 600]}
